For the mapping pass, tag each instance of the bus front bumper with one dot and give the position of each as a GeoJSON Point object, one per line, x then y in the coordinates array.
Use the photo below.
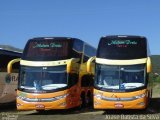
{"type": "Point", "coordinates": [46, 101]}
{"type": "Point", "coordinates": [59, 104]}
{"type": "Point", "coordinates": [132, 100]}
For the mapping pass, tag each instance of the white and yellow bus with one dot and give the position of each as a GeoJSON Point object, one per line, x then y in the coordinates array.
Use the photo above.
{"type": "Point", "coordinates": [8, 83]}
{"type": "Point", "coordinates": [53, 74]}
{"type": "Point", "coordinates": [122, 65]}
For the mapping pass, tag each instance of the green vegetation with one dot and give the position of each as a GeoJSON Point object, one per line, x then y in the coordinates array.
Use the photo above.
{"type": "Point", "coordinates": [155, 68]}
{"type": "Point", "coordinates": [155, 63]}
{"type": "Point", "coordinates": [155, 75]}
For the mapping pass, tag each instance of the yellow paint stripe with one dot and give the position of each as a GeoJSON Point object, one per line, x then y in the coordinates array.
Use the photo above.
{"type": "Point", "coordinates": [121, 62]}
{"type": "Point", "coordinates": [42, 63]}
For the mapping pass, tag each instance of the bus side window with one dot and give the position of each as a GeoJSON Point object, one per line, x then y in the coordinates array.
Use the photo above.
{"type": "Point", "coordinates": [88, 52]}
{"type": "Point", "coordinates": [78, 49]}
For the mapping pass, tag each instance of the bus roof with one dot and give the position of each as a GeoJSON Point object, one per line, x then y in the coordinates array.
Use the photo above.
{"type": "Point", "coordinates": [56, 38]}
{"type": "Point", "coordinates": [123, 36]}
{"type": "Point", "coordinates": [9, 52]}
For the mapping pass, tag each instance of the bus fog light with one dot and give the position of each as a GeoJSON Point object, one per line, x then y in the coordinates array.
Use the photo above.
{"type": "Point", "coordinates": [63, 104]}
{"type": "Point", "coordinates": [62, 96]}
{"type": "Point", "coordinates": [141, 103]}
{"type": "Point", "coordinates": [18, 104]}
{"type": "Point", "coordinates": [96, 103]}
{"type": "Point", "coordinates": [98, 95]}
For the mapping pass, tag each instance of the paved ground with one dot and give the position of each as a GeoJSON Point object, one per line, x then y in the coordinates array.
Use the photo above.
{"type": "Point", "coordinates": [152, 113]}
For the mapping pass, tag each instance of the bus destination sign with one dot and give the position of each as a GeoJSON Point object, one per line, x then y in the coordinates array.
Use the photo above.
{"type": "Point", "coordinates": [51, 45]}
{"type": "Point", "coordinates": [122, 43]}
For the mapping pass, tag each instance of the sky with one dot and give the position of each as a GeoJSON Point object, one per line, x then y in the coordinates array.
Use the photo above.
{"type": "Point", "coordinates": [87, 20]}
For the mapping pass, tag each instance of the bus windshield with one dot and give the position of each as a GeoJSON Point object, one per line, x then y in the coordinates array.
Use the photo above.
{"type": "Point", "coordinates": [120, 77]}
{"type": "Point", "coordinates": [43, 78]}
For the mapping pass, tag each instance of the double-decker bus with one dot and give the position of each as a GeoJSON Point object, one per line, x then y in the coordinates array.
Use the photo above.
{"type": "Point", "coordinates": [8, 83]}
{"type": "Point", "coordinates": [53, 74]}
{"type": "Point", "coordinates": [122, 65]}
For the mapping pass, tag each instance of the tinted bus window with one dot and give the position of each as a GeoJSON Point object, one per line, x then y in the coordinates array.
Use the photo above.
{"type": "Point", "coordinates": [78, 45]}
{"type": "Point", "coordinates": [47, 50]}
{"type": "Point", "coordinates": [122, 48]}
{"type": "Point", "coordinates": [88, 52]}
{"type": "Point", "coordinates": [77, 49]}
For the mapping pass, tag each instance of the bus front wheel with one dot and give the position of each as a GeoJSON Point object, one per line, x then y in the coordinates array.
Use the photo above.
{"type": "Point", "coordinates": [83, 100]}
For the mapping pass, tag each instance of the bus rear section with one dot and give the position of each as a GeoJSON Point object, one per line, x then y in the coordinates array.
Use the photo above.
{"type": "Point", "coordinates": [121, 73]}
{"type": "Point", "coordinates": [50, 75]}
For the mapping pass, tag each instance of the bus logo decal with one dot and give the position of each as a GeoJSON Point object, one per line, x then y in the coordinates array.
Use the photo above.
{"type": "Point", "coordinates": [122, 42]}
{"type": "Point", "coordinates": [8, 78]}
{"type": "Point", "coordinates": [51, 45]}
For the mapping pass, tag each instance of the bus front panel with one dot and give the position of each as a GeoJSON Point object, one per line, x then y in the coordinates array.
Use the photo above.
{"type": "Point", "coordinates": [114, 100]}
{"type": "Point", "coordinates": [120, 86]}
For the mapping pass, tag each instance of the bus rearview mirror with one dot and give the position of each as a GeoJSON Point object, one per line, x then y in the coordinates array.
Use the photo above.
{"type": "Point", "coordinates": [89, 64]}
{"type": "Point", "coordinates": [10, 64]}
{"type": "Point", "coordinates": [149, 65]}
{"type": "Point", "coordinates": [69, 64]}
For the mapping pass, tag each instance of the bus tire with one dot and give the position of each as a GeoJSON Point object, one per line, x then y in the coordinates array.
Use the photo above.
{"type": "Point", "coordinates": [40, 111]}
{"type": "Point", "coordinates": [151, 93]}
{"type": "Point", "coordinates": [83, 100]}
{"type": "Point", "coordinates": [89, 99]}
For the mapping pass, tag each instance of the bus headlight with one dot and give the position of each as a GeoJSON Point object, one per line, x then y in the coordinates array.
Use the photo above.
{"type": "Point", "coordinates": [61, 97]}
{"type": "Point", "coordinates": [42, 99]}
{"type": "Point", "coordinates": [98, 96]}
{"type": "Point", "coordinates": [140, 96]}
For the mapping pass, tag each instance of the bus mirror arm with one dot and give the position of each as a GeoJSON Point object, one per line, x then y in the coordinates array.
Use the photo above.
{"type": "Point", "coordinates": [69, 64]}
{"type": "Point", "coordinates": [149, 65]}
{"type": "Point", "coordinates": [10, 64]}
{"type": "Point", "coordinates": [89, 62]}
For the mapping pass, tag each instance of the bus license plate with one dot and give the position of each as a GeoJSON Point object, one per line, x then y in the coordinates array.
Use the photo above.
{"type": "Point", "coordinates": [119, 105]}
{"type": "Point", "coordinates": [40, 106]}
